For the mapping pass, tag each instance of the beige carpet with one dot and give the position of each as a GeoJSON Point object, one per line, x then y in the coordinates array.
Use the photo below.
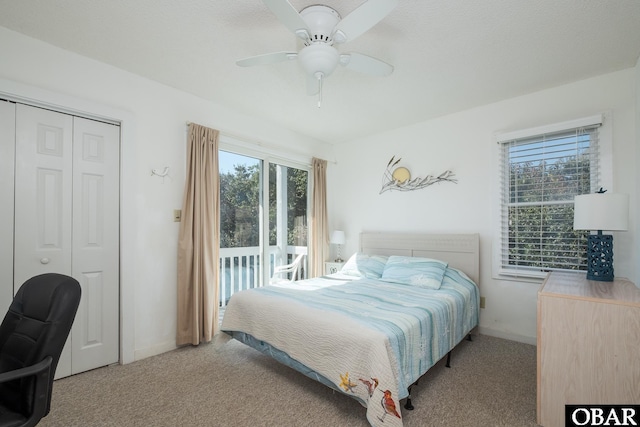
{"type": "Point", "coordinates": [492, 382]}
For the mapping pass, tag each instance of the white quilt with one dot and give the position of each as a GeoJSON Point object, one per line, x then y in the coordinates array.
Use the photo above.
{"type": "Point", "coordinates": [371, 339]}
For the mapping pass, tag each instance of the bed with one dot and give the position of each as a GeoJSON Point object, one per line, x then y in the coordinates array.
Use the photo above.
{"type": "Point", "coordinates": [370, 331]}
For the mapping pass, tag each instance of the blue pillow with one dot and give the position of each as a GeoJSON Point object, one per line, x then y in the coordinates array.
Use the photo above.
{"type": "Point", "coordinates": [422, 272]}
{"type": "Point", "coordinates": [362, 265]}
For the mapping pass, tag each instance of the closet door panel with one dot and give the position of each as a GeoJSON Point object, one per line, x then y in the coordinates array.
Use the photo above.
{"type": "Point", "coordinates": [43, 195]}
{"type": "Point", "coordinates": [95, 243]}
{"type": "Point", "coordinates": [7, 154]}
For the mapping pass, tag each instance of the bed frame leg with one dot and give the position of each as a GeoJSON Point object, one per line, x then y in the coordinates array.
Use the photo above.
{"type": "Point", "coordinates": [408, 406]}
{"type": "Point", "coordinates": [448, 364]}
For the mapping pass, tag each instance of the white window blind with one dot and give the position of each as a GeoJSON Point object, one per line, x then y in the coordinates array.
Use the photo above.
{"type": "Point", "coordinates": [541, 173]}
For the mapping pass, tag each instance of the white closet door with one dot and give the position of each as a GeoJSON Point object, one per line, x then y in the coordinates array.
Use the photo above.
{"type": "Point", "coordinates": [7, 146]}
{"type": "Point", "coordinates": [67, 221]}
{"type": "Point", "coordinates": [43, 199]}
{"type": "Point", "coordinates": [95, 243]}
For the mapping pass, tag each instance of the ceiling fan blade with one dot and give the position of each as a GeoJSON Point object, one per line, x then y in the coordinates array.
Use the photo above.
{"type": "Point", "coordinates": [267, 58]}
{"type": "Point", "coordinates": [289, 17]}
{"type": "Point", "coordinates": [360, 20]}
{"type": "Point", "coordinates": [365, 64]}
{"type": "Point", "coordinates": [313, 85]}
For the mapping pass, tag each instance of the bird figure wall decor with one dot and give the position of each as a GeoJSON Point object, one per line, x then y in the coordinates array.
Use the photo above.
{"type": "Point", "coordinates": [389, 406]}
{"type": "Point", "coordinates": [399, 178]}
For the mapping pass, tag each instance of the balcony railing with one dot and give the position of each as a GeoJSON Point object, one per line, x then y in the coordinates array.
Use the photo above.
{"type": "Point", "coordinates": [240, 268]}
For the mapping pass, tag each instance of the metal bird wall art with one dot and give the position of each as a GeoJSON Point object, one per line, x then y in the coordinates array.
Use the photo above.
{"type": "Point", "coordinates": [399, 178]}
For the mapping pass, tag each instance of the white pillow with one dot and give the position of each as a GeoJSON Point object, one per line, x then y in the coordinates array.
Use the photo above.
{"type": "Point", "coordinates": [362, 265]}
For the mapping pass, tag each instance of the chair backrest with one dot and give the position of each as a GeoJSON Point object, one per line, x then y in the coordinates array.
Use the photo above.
{"type": "Point", "coordinates": [36, 325]}
{"type": "Point", "coordinates": [285, 270]}
{"type": "Point", "coordinates": [295, 264]}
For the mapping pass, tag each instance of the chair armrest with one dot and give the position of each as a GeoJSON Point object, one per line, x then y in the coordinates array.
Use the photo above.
{"type": "Point", "coordinates": [27, 371]}
{"type": "Point", "coordinates": [288, 268]}
{"type": "Point", "coordinates": [284, 268]}
{"type": "Point", "coordinates": [41, 398]}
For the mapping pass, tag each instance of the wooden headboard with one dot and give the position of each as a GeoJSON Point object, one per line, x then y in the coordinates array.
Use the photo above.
{"type": "Point", "coordinates": [461, 251]}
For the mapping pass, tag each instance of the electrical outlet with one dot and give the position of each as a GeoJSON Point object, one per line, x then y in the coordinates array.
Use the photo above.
{"type": "Point", "coordinates": [177, 215]}
{"type": "Point", "coordinates": [482, 302]}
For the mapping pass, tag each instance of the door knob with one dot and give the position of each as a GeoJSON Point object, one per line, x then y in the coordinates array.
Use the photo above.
{"type": "Point", "coordinates": [44, 261]}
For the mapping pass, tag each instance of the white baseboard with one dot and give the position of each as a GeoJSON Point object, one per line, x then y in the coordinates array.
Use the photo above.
{"type": "Point", "coordinates": [143, 353]}
{"type": "Point", "coordinates": [507, 335]}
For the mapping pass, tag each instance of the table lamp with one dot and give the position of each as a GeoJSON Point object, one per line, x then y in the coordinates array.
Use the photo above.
{"type": "Point", "coordinates": [337, 238]}
{"type": "Point", "coordinates": [600, 211]}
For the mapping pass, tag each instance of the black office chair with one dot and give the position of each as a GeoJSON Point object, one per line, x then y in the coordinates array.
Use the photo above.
{"type": "Point", "coordinates": [32, 336]}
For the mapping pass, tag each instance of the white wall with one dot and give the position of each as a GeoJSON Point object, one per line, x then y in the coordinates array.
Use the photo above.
{"type": "Point", "coordinates": [465, 143]}
{"type": "Point", "coordinates": [153, 136]}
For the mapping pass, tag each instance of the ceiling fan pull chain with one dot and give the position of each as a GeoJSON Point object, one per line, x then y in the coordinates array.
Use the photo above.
{"type": "Point", "coordinates": [320, 79]}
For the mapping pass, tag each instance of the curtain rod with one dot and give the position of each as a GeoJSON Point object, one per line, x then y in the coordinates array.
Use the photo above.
{"type": "Point", "coordinates": [243, 138]}
{"type": "Point", "coordinates": [250, 140]}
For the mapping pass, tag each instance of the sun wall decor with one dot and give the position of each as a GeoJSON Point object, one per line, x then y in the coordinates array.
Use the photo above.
{"type": "Point", "coordinates": [399, 178]}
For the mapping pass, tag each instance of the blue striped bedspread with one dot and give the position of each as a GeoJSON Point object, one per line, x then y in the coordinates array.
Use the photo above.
{"type": "Point", "coordinates": [361, 334]}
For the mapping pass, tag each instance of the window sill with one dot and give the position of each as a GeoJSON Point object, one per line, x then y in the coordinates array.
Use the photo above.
{"type": "Point", "coordinates": [520, 276]}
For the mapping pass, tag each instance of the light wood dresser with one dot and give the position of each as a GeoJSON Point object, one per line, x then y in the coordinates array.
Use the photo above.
{"type": "Point", "coordinates": [588, 344]}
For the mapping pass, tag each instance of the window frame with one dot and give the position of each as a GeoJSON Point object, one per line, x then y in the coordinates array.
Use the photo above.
{"type": "Point", "coordinates": [605, 178]}
{"type": "Point", "coordinates": [268, 155]}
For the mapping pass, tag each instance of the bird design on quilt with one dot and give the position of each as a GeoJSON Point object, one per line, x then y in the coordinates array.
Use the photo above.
{"type": "Point", "coordinates": [346, 384]}
{"type": "Point", "coordinates": [389, 406]}
{"type": "Point", "coordinates": [371, 385]}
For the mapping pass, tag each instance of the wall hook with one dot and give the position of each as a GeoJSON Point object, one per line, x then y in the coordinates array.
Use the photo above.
{"type": "Point", "coordinates": [164, 172]}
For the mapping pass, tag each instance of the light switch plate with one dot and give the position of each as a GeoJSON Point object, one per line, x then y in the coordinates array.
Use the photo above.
{"type": "Point", "coordinates": [177, 215]}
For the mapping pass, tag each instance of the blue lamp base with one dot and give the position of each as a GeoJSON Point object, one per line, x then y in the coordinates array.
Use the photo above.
{"type": "Point", "coordinates": [600, 257]}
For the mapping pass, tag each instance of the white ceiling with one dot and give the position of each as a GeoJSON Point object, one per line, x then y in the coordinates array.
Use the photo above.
{"type": "Point", "coordinates": [449, 55]}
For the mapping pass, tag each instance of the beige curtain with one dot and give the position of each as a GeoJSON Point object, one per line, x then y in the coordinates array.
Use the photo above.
{"type": "Point", "coordinates": [318, 247]}
{"type": "Point", "coordinates": [199, 240]}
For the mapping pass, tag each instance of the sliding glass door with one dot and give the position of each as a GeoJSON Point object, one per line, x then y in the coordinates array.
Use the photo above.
{"type": "Point", "coordinates": [288, 204]}
{"type": "Point", "coordinates": [263, 221]}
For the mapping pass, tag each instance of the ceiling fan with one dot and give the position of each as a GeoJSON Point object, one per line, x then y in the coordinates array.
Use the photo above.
{"type": "Point", "coordinates": [320, 27]}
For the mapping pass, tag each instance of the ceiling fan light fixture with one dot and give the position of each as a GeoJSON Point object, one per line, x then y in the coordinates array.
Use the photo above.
{"type": "Point", "coordinates": [319, 58]}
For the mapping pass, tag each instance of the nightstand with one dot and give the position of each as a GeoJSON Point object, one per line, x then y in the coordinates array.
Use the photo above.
{"type": "Point", "coordinates": [587, 344]}
{"type": "Point", "coordinates": [331, 267]}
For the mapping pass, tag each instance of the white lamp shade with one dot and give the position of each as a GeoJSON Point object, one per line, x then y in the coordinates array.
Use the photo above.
{"type": "Point", "coordinates": [337, 237]}
{"type": "Point", "coordinates": [601, 211]}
